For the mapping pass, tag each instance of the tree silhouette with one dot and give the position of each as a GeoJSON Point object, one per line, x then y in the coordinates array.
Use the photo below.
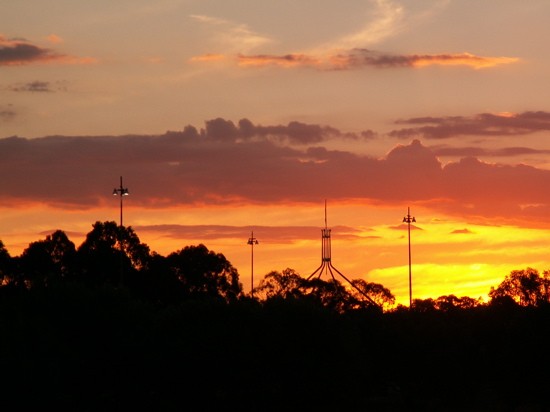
{"type": "Point", "coordinates": [287, 284]}
{"type": "Point", "coordinates": [205, 273]}
{"type": "Point", "coordinates": [378, 293]}
{"type": "Point", "coordinates": [526, 287]}
{"type": "Point", "coordinates": [112, 254]}
{"type": "Point", "coordinates": [451, 302]}
{"type": "Point", "coordinates": [5, 263]}
{"type": "Point", "coordinates": [46, 261]}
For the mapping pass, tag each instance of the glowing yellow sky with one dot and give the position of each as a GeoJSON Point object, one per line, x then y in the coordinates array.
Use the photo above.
{"type": "Point", "coordinates": [367, 242]}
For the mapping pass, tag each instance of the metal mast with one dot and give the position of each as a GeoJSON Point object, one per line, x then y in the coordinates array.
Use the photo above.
{"type": "Point", "coordinates": [326, 261]}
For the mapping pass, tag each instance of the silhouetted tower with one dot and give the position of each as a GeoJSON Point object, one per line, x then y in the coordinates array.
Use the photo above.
{"type": "Point", "coordinates": [326, 261]}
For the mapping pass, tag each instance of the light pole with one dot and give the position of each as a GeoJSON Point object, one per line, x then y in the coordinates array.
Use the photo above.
{"type": "Point", "coordinates": [408, 219]}
{"type": "Point", "coordinates": [252, 241]}
{"type": "Point", "coordinates": [123, 192]}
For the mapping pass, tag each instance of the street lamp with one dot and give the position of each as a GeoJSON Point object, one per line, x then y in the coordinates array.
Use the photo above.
{"type": "Point", "coordinates": [123, 192]}
{"type": "Point", "coordinates": [408, 219]}
{"type": "Point", "coordinates": [252, 241]}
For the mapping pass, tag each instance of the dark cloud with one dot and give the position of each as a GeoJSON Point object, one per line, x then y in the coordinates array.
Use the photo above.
{"type": "Point", "coordinates": [6, 114]}
{"type": "Point", "coordinates": [17, 52]}
{"type": "Point", "coordinates": [480, 151]}
{"type": "Point", "coordinates": [360, 58]}
{"type": "Point", "coordinates": [363, 57]}
{"type": "Point", "coordinates": [248, 166]}
{"type": "Point", "coordinates": [294, 132]}
{"type": "Point", "coordinates": [35, 86]}
{"type": "Point", "coordinates": [484, 124]}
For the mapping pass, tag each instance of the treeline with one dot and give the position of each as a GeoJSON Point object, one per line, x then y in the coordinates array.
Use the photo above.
{"type": "Point", "coordinates": [110, 325]}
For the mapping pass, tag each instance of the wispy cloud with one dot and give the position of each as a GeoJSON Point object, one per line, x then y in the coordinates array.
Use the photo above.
{"type": "Point", "coordinates": [21, 52]}
{"type": "Point", "coordinates": [483, 124]}
{"type": "Point", "coordinates": [346, 53]}
{"type": "Point", "coordinates": [7, 114]}
{"type": "Point", "coordinates": [233, 36]}
{"type": "Point", "coordinates": [386, 20]}
{"type": "Point", "coordinates": [38, 86]}
{"type": "Point", "coordinates": [52, 38]}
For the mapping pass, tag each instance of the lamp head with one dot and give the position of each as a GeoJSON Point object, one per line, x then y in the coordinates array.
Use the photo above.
{"type": "Point", "coordinates": [114, 192]}
{"type": "Point", "coordinates": [125, 192]}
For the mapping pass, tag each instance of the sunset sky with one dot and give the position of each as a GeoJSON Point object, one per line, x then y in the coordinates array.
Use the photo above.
{"type": "Point", "coordinates": [226, 117]}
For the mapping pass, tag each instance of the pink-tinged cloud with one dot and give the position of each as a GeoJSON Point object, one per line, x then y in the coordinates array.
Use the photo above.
{"type": "Point", "coordinates": [55, 39]}
{"type": "Point", "coordinates": [484, 124]}
{"type": "Point", "coordinates": [362, 58]}
{"type": "Point", "coordinates": [19, 52]}
{"type": "Point", "coordinates": [462, 231]}
{"type": "Point", "coordinates": [208, 57]}
{"type": "Point", "coordinates": [226, 164]}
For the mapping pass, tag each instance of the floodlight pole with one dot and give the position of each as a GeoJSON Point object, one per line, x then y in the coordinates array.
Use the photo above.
{"type": "Point", "coordinates": [408, 219]}
{"type": "Point", "coordinates": [123, 192]}
{"type": "Point", "coordinates": [252, 241]}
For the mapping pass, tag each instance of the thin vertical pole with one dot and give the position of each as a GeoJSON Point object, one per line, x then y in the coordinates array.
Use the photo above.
{"type": "Point", "coordinates": [251, 242]}
{"type": "Point", "coordinates": [252, 265]}
{"type": "Point", "coordinates": [121, 196]}
{"type": "Point", "coordinates": [410, 261]}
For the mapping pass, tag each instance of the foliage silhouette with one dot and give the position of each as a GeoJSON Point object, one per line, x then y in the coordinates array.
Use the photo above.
{"type": "Point", "coordinates": [526, 287]}
{"type": "Point", "coordinates": [47, 261]}
{"type": "Point", "coordinates": [205, 273]}
{"type": "Point", "coordinates": [5, 263]}
{"type": "Point", "coordinates": [179, 334]}
{"type": "Point", "coordinates": [378, 293]}
{"type": "Point", "coordinates": [332, 294]}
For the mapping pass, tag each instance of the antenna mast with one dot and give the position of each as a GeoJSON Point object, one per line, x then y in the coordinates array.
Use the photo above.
{"type": "Point", "coordinates": [326, 263]}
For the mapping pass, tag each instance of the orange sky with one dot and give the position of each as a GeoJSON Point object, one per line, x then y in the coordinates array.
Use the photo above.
{"type": "Point", "coordinates": [228, 117]}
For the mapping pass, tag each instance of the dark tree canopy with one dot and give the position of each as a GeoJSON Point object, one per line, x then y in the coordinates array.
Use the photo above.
{"type": "Point", "coordinates": [331, 294]}
{"type": "Point", "coordinates": [112, 254]}
{"type": "Point", "coordinates": [287, 284]}
{"type": "Point", "coordinates": [46, 261]}
{"type": "Point", "coordinates": [526, 287]}
{"type": "Point", "coordinates": [204, 272]}
{"type": "Point", "coordinates": [379, 294]}
{"type": "Point", "coordinates": [5, 262]}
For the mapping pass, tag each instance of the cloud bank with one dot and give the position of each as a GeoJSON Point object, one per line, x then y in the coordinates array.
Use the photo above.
{"type": "Point", "coordinates": [228, 164]}
{"type": "Point", "coordinates": [483, 124]}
